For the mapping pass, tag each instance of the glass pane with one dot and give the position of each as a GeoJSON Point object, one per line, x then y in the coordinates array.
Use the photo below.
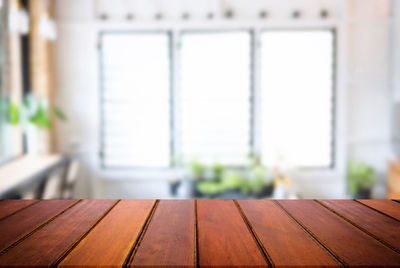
{"type": "Point", "coordinates": [215, 91]}
{"type": "Point", "coordinates": [297, 75]}
{"type": "Point", "coordinates": [136, 110]}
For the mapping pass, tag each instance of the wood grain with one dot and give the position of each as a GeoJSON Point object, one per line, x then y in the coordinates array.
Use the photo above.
{"type": "Point", "coordinates": [48, 244]}
{"type": "Point", "coordinates": [370, 221]}
{"type": "Point", "coordinates": [286, 243]}
{"type": "Point", "coordinates": [223, 237]}
{"type": "Point", "coordinates": [387, 207]}
{"type": "Point", "coordinates": [110, 242]}
{"type": "Point", "coordinates": [351, 245]}
{"type": "Point", "coordinates": [169, 240]}
{"type": "Point", "coordinates": [30, 218]}
{"type": "Point", "coordinates": [8, 207]}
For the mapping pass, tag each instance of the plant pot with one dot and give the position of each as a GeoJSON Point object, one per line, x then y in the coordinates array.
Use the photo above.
{"type": "Point", "coordinates": [266, 191]}
{"type": "Point", "coordinates": [363, 193]}
{"type": "Point", "coordinates": [174, 186]}
{"type": "Point", "coordinates": [37, 140]}
{"type": "Point", "coordinates": [232, 194]}
{"type": "Point", "coordinates": [194, 192]}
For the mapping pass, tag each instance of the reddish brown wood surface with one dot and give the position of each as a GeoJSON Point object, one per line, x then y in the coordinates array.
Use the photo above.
{"type": "Point", "coordinates": [48, 244]}
{"type": "Point", "coordinates": [215, 233]}
{"type": "Point", "coordinates": [110, 242]}
{"type": "Point", "coordinates": [169, 240]}
{"type": "Point", "coordinates": [223, 237]}
{"type": "Point", "coordinates": [352, 246]}
{"type": "Point", "coordinates": [27, 220]}
{"type": "Point", "coordinates": [8, 207]}
{"type": "Point", "coordinates": [388, 207]}
{"type": "Point", "coordinates": [378, 225]}
{"type": "Point", "coordinates": [286, 243]}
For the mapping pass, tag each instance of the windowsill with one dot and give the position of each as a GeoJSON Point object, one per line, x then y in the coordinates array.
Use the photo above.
{"type": "Point", "coordinates": [165, 174]}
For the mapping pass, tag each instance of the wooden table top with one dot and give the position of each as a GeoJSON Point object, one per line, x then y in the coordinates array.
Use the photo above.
{"type": "Point", "coordinates": [203, 233]}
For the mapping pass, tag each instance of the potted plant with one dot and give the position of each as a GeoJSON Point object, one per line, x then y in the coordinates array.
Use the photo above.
{"type": "Point", "coordinates": [360, 180]}
{"type": "Point", "coordinates": [223, 184]}
{"type": "Point", "coordinates": [197, 172]}
{"type": "Point", "coordinates": [35, 116]}
{"type": "Point", "coordinates": [261, 181]}
{"type": "Point", "coordinates": [175, 181]}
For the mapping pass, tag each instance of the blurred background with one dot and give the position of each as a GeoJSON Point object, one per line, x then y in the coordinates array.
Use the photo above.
{"type": "Point", "coordinates": [200, 99]}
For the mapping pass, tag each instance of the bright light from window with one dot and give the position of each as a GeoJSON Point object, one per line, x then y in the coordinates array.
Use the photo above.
{"type": "Point", "coordinates": [136, 85]}
{"type": "Point", "coordinates": [215, 90]}
{"type": "Point", "coordinates": [297, 70]}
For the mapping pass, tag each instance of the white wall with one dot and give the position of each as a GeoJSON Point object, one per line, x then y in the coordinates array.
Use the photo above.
{"type": "Point", "coordinates": [370, 96]}
{"type": "Point", "coordinates": [365, 90]}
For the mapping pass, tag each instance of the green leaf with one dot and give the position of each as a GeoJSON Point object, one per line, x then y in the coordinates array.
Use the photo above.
{"type": "Point", "coordinates": [14, 114]}
{"type": "Point", "coordinates": [41, 118]}
{"type": "Point", "coordinates": [359, 175]}
{"type": "Point", "coordinates": [197, 170]}
{"type": "Point", "coordinates": [209, 187]}
{"type": "Point", "coordinates": [232, 180]}
{"type": "Point", "coordinates": [59, 114]}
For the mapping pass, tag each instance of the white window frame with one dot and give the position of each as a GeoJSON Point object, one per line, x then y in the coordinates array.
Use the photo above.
{"type": "Point", "coordinates": [255, 28]}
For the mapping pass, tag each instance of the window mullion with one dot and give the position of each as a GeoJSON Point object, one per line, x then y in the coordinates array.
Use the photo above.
{"type": "Point", "coordinates": [175, 95]}
{"type": "Point", "coordinates": [256, 93]}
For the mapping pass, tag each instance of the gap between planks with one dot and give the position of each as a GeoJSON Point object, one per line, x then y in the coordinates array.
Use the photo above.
{"type": "Point", "coordinates": [136, 244]}
{"type": "Point", "coordinates": [264, 252]}
{"type": "Point", "coordinates": [356, 226]}
{"type": "Point", "coordinates": [196, 236]}
{"type": "Point", "coordinates": [312, 235]}
{"type": "Point", "coordinates": [19, 210]}
{"type": "Point", "coordinates": [40, 226]}
{"type": "Point", "coordinates": [63, 255]}
{"type": "Point", "coordinates": [377, 210]}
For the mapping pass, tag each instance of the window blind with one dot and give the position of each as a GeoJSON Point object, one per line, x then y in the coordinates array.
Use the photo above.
{"type": "Point", "coordinates": [215, 96]}
{"type": "Point", "coordinates": [135, 99]}
{"type": "Point", "coordinates": [297, 97]}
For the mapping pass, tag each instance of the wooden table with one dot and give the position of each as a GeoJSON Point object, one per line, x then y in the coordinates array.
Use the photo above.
{"type": "Point", "coordinates": [204, 233]}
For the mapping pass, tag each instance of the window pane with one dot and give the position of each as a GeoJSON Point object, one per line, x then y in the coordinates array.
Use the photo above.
{"type": "Point", "coordinates": [215, 90]}
{"type": "Point", "coordinates": [297, 70]}
{"type": "Point", "coordinates": [136, 85]}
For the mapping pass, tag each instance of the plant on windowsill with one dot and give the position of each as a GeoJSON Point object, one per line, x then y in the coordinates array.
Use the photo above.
{"type": "Point", "coordinates": [34, 114]}
{"type": "Point", "coordinates": [218, 181]}
{"type": "Point", "coordinates": [174, 181]}
{"type": "Point", "coordinates": [360, 180]}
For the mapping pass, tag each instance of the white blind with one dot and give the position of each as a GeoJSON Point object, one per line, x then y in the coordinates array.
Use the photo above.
{"type": "Point", "coordinates": [215, 96]}
{"type": "Point", "coordinates": [135, 99]}
{"type": "Point", "coordinates": [297, 76]}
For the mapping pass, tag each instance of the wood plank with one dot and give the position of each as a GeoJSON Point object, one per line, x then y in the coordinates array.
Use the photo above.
{"type": "Point", "coordinates": [48, 244]}
{"type": "Point", "coordinates": [8, 207]}
{"type": "Point", "coordinates": [377, 225]}
{"type": "Point", "coordinates": [223, 237]}
{"type": "Point", "coordinates": [22, 223]}
{"type": "Point", "coordinates": [387, 207]}
{"type": "Point", "coordinates": [286, 243]}
{"type": "Point", "coordinates": [352, 246]}
{"type": "Point", "coordinates": [169, 240]}
{"type": "Point", "coordinates": [109, 244]}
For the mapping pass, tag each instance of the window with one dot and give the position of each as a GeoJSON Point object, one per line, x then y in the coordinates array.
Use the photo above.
{"type": "Point", "coordinates": [135, 99]}
{"type": "Point", "coordinates": [221, 106]}
{"type": "Point", "coordinates": [215, 97]}
{"type": "Point", "coordinates": [296, 90]}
